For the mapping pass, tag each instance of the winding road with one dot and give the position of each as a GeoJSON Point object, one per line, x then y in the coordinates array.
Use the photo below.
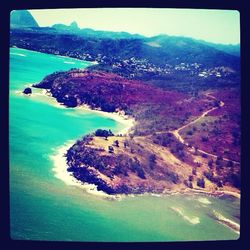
{"type": "Point", "coordinates": [176, 132]}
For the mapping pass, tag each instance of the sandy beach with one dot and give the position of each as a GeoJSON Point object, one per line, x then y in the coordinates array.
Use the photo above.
{"type": "Point", "coordinates": [126, 121]}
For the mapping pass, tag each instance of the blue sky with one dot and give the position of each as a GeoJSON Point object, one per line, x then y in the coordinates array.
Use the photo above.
{"type": "Point", "coordinates": [218, 26]}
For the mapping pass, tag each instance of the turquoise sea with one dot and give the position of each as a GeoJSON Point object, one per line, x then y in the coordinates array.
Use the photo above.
{"type": "Point", "coordinates": [43, 207]}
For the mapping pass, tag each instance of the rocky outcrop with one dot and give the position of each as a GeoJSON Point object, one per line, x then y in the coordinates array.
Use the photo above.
{"type": "Point", "coordinates": [27, 91]}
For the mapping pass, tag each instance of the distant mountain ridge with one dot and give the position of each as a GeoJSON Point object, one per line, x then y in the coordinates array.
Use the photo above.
{"type": "Point", "coordinates": [159, 50]}
{"type": "Point", "coordinates": [232, 49]}
{"type": "Point", "coordinates": [22, 19]}
{"type": "Point", "coordinates": [74, 29]}
{"type": "Point", "coordinates": [109, 47]}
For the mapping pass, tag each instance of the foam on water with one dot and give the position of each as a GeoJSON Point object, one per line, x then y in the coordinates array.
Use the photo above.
{"type": "Point", "coordinates": [204, 200]}
{"type": "Point", "coordinates": [69, 62]}
{"type": "Point", "coordinates": [60, 170]}
{"type": "Point", "coordinates": [17, 54]}
{"type": "Point", "coordinates": [193, 220]}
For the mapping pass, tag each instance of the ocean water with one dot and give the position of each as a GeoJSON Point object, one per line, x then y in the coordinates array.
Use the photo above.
{"type": "Point", "coordinates": [43, 207]}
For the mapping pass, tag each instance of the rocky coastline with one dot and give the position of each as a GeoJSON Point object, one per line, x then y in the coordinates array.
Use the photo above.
{"type": "Point", "coordinates": [146, 160]}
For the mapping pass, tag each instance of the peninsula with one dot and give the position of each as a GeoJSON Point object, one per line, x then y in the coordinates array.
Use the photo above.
{"type": "Point", "coordinates": [180, 141]}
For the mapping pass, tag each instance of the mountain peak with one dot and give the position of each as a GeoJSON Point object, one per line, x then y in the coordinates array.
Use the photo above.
{"type": "Point", "coordinates": [22, 19]}
{"type": "Point", "coordinates": [74, 25]}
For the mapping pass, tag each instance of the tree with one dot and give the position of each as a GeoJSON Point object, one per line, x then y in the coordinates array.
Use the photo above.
{"type": "Point", "coordinates": [188, 183]}
{"type": "Point", "coordinates": [204, 139]}
{"type": "Point", "coordinates": [204, 155]}
{"type": "Point", "coordinates": [216, 103]}
{"type": "Point", "coordinates": [116, 143]}
{"type": "Point", "coordinates": [218, 161]}
{"type": "Point", "coordinates": [194, 171]}
{"type": "Point", "coordinates": [137, 168]}
{"type": "Point", "coordinates": [230, 164]}
{"type": "Point", "coordinates": [125, 143]}
{"type": "Point", "coordinates": [103, 133]}
{"type": "Point", "coordinates": [152, 160]}
{"type": "Point", "coordinates": [111, 149]}
{"type": "Point", "coordinates": [209, 175]}
{"type": "Point", "coordinates": [210, 163]}
{"type": "Point", "coordinates": [201, 182]}
{"type": "Point", "coordinates": [234, 179]}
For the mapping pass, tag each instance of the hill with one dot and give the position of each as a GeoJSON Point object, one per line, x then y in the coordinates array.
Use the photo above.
{"type": "Point", "coordinates": [154, 157]}
{"type": "Point", "coordinates": [232, 49]}
{"type": "Point", "coordinates": [160, 50]}
{"type": "Point", "coordinates": [168, 62]}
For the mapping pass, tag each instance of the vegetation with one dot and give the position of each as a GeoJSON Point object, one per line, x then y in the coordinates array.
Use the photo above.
{"type": "Point", "coordinates": [163, 89]}
{"type": "Point", "coordinates": [201, 182]}
{"type": "Point", "coordinates": [103, 133]}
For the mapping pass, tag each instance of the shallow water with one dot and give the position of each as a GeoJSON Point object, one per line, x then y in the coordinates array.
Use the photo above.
{"type": "Point", "coordinates": [43, 207]}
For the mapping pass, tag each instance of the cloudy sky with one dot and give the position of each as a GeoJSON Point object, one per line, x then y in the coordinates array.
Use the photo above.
{"type": "Point", "coordinates": [218, 26]}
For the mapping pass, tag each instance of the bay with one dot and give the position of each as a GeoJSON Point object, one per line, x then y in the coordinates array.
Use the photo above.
{"type": "Point", "coordinates": [43, 207]}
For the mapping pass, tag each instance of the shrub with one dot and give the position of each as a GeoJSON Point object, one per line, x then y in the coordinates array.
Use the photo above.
{"type": "Point", "coordinates": [194, 171]}
{"type": "Point", "coordinates": [210, 163]}
{"type": "Point", "coordinates": [152, 160]}
{"type": "Point", "coordinates": [204, 139]}
{"type": "Point", "coordinates": [234, 179]}
{"type": "Point", "coordinates": [218, 161]}
{"type": "Point", "coordinates": [116, 143]}
{"type": "Point", "coordinates": [125, 144]}
{"type": "Point", "coordinates": [111, 149]}
{"type": "Point", "coordinates": [136, 167]}
{"type": "Point", "coordinates": [201, 182]}
{"type": "Point", "coordinates": [230, 164]}
{"type": "Point", "coordinates": [209, 175]}
{"type": "Point", "coordinates": [204, 155]}
{"type": "Point", "coordinates": [188, 183]}
{"type": "Point", "coordinates": [103, 133]}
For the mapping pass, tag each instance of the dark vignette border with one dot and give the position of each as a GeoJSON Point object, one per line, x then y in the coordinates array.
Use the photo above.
{"type": "Point", "coordinates": [4, 160]}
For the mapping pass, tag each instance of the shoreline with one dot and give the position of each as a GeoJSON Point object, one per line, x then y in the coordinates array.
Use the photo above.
{"type": "Point", "coordinates": [226, 222]}
{"type": "Point", "coordinates": [215, 194]}
{"type": "Point", "coordinates": [128, 123]}
{"type": "Point", "coordinates": [60, 171]}
{"type": "Point", "coordinates": [58, 157]}
{"type": "Point", "coordinates": [66, 57]}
